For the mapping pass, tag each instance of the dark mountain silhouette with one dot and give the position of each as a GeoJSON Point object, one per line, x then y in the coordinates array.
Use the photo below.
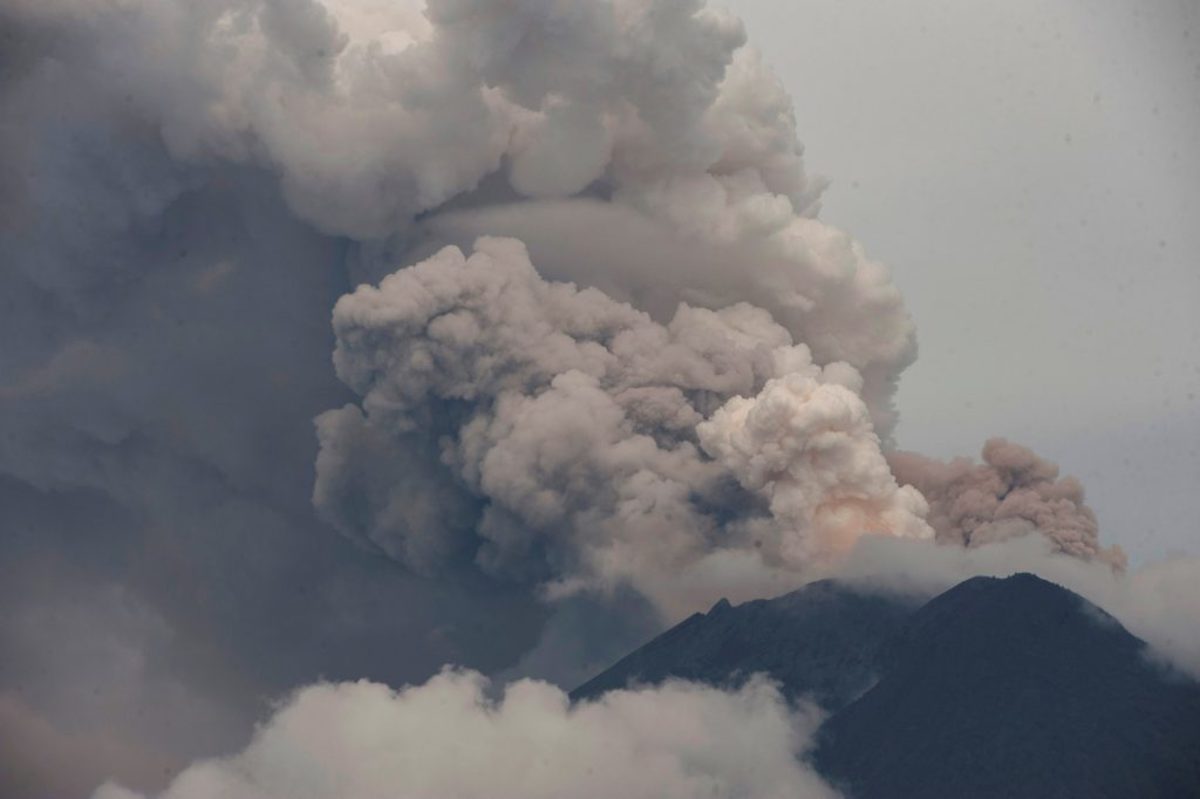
{"type": "Point", "coordinates": [820, 641]}
{"type": "Point", "coordinates": [995, 688]}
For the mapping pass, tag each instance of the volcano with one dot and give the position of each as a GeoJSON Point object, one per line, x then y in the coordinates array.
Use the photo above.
{"type": "Point", "coordinates": [995, 688]}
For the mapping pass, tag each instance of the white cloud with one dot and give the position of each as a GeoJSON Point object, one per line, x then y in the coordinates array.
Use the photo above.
{"type": "Point", "coordinates": [446, 738]}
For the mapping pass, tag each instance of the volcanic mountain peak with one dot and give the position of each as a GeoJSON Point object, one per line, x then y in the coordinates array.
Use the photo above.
{"type": "Point", "coordinates": [997, 687]}
{"type": "Point", "coordinates": [819, 641]}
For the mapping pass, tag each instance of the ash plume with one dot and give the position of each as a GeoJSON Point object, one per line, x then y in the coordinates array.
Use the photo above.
{"type": "Point", "coordinates": [605, 448]}
{"type": "Point", "coordinates": [1012, 493]}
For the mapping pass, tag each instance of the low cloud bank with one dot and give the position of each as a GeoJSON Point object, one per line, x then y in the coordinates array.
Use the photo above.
{"type": "Point", "coordinates": [446, 738]}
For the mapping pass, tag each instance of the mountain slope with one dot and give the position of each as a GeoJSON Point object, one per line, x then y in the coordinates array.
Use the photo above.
{"type": "Point", "coordinates": [820, 641]}
{"type": "Point", "coordinates": [1016, 687]}
{"type": "Point", "coordinates": [995, 688]}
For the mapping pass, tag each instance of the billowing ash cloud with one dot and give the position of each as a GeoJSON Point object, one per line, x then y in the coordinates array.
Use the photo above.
{"type": "Point", "coordinates": [369, 116]}
{"type": "Point", "coordinates": [445, 738]}
{"type": "Point", "coordinates": [603, 447]}
{"type": "Point", "coordinates": [1012, 493]}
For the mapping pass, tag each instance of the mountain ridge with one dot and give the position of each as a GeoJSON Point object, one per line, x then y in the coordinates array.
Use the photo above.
{"type": "Point", "coordinates": [996, 687]}
{"type": "Point", "coordinates": [828, 656]}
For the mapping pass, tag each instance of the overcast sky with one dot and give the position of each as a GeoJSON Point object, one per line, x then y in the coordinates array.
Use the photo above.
{"type": "Point", "coordinates": [1030, 171]}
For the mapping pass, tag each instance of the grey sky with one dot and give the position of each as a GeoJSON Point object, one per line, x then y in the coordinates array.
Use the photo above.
{"type": "Point", "coordinates": [1029, 170]}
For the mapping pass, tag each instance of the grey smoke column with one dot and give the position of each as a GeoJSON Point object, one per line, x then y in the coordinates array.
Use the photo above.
{"type": "Point", "coordinates": [502, 434]}
{"type": "Point", "coordinates": [578, 425]}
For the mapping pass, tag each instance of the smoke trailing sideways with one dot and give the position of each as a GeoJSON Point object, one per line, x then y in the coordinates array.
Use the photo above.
{"type": "Point", "coordinates": [591, 344]}
{"type": "Point", "coordinates": [1011, 494]}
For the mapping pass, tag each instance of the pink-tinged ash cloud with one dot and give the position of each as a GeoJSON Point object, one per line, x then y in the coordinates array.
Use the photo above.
{"type": "Point", "coordinates": [606, 448]}
{"type": "Point", "coordinates": [1011, 493]}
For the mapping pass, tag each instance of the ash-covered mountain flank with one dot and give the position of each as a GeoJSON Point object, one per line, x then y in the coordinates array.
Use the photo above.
{"type": "Point", "coordinates": [995, 688]}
